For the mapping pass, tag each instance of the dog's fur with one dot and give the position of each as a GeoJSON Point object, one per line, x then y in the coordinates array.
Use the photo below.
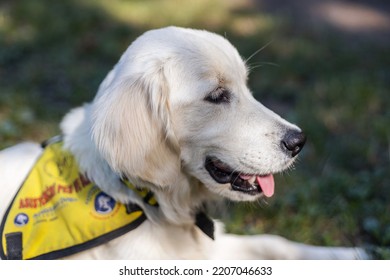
{"type": "Point", "coordinates": [154, 120]}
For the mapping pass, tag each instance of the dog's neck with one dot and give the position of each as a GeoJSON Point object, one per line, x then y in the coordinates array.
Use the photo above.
{"type": "Point", "coordinates": [178, 203]}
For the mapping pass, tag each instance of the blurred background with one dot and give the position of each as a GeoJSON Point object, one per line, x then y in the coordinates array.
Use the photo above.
{"type": "Point", "coordinates": [326, 67]}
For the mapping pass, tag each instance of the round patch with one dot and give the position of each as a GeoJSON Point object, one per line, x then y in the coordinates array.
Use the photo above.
{"type": "Point", "coordinates": [104, 203]}
{"type": "Point", "coordinates": [21, 219]}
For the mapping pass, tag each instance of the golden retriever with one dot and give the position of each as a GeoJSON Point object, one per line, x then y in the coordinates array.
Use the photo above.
{"type": "Point", "coordinates": [175, 116]}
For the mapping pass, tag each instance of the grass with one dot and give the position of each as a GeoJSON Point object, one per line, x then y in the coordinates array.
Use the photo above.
{"type": "Point", "coordinates": [54, 54]}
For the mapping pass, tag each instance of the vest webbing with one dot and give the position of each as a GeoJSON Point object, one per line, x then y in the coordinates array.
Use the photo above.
{"type": "Point", "coordinates": [58, 211]}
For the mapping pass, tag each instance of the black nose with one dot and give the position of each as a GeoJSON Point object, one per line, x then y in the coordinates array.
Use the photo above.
{"type": "Point", "coordinates": [294, 141]}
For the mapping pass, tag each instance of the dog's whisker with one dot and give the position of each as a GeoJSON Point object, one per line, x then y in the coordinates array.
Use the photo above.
{"type": "Point", "coordinates": [261, 64]}
{"type": "Point", "coordinates": [233, 172]}
{"type": "Point", "coordinates": [256, 52]}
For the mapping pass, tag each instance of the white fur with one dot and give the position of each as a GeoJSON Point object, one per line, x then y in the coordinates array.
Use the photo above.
{"type": "Point", "coordinates": [150, 122]}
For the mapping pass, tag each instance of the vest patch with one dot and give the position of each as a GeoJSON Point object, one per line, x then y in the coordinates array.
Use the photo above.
{"type": "Point", "coordinates": [58, 211]}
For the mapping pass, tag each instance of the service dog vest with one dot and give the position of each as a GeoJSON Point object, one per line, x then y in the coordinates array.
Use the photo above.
{"type": "Point", "coordinates": [58, 211]}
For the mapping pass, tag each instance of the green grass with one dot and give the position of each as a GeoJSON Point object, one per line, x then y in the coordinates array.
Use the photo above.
{"type": "Point", "coordinates": [54, 54]}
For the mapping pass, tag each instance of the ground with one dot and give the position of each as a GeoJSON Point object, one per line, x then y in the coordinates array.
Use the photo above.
{"type": "Point", "coordinates": [326, 67]}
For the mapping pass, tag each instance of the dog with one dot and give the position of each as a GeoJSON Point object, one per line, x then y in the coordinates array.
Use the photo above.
{"type": "Point", "coordinates": [175, 116]}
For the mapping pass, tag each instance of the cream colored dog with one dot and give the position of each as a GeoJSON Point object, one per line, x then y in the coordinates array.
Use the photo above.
{"type": "Point", "coordinates": [175, 116]}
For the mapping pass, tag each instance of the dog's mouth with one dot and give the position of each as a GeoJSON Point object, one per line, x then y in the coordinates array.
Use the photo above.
{"type": "Point", "coordinates": [251, 184]}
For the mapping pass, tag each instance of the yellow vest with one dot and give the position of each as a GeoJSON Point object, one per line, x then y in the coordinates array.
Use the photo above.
{"type": "Point", "coordinates": [58, 211]}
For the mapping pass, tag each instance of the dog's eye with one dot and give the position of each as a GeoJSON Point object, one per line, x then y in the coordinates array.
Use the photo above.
{"type": "Point", "coordinates": [220, 95]}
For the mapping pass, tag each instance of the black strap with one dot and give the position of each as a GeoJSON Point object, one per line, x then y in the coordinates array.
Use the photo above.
{"type": "Point", "coordinates": [148, 197]}
{"type": "Point", "coordinates": [205, 224]}
{"type": "Point", "coordinates": [54, 139]}
{"type": "Point", "coordinates": [14, 246]}
{"type": "Point", "coordinates": [132, 207]}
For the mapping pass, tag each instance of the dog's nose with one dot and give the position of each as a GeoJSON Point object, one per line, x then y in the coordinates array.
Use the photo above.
{"type": "Point", "coordinates": [294, 141]}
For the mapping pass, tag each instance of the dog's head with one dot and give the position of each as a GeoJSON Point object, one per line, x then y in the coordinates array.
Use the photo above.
{"type": "Point", "coordinates": [178, 102]}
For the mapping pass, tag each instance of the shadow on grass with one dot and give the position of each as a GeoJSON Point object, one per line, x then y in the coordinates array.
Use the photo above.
{"type": "Point", "coordinates": [54, 54]}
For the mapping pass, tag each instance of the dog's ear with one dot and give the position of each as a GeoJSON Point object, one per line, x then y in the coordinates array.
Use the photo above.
{"type": "Point", "coordinates": [131, 127]}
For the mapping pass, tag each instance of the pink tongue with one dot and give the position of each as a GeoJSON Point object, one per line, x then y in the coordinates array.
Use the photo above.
{"type": "Point", "coordinates": [267, 184]}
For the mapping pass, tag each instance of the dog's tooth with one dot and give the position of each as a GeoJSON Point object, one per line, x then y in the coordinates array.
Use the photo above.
{"type": "Point", "coordinates": [247, 177]}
